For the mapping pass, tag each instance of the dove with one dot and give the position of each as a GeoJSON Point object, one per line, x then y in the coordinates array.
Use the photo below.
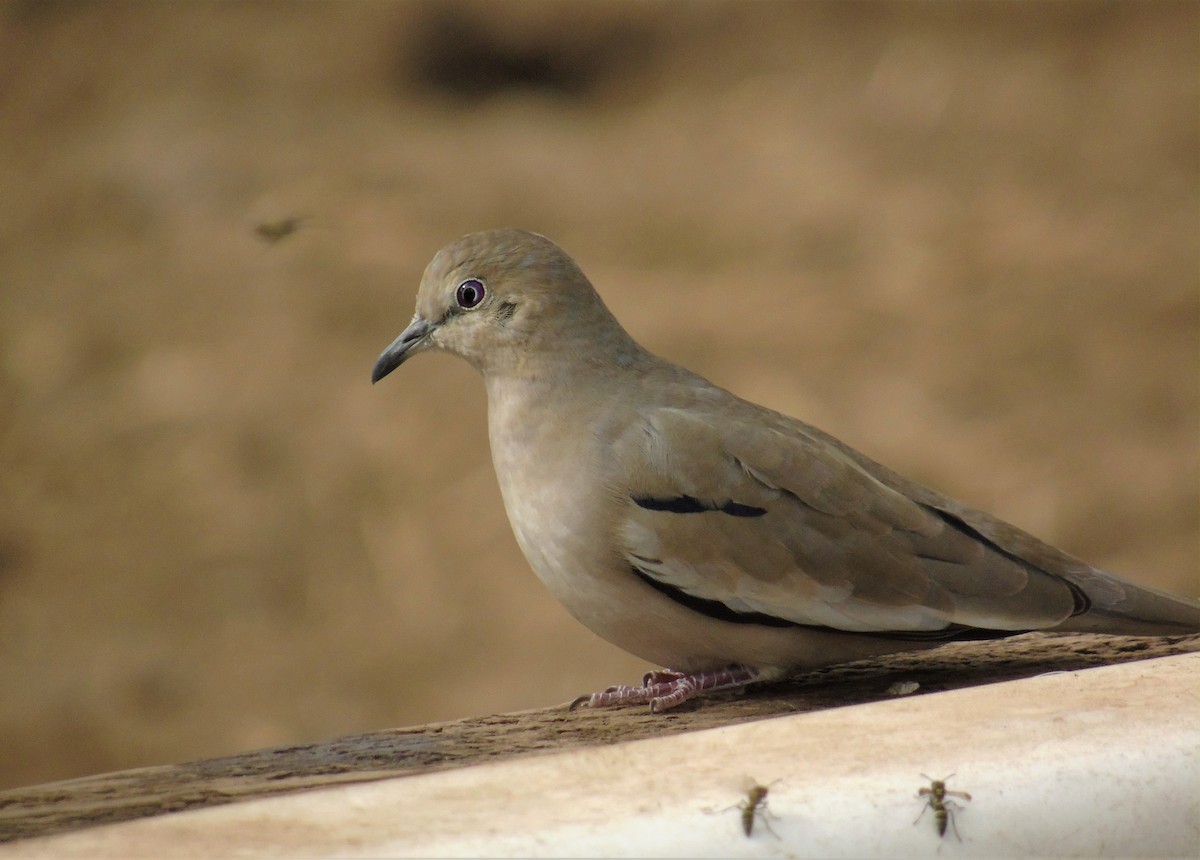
{"type": "Point", "coordinates": [721, 540]}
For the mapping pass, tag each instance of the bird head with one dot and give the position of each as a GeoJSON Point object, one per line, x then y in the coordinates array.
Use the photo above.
{"type": "Point", "coordinates": [498, 298]}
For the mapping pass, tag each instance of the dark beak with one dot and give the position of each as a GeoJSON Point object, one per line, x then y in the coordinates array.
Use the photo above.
{"type": "Point", "coordinates": [411, 341]}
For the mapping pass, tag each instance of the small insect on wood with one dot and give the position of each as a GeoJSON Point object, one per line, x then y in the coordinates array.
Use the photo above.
{"type": "Point", "coordinates": [937, 798]}
{"type": "Point", "coordinates": [755, 807]}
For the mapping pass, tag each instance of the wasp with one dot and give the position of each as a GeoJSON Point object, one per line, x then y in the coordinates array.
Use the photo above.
{"type": "Point", "coordinates": [937, 798]}
{"type": "Point", "coordinates": [755, 807]}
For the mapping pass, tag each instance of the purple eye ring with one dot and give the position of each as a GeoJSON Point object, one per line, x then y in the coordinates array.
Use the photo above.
{"type": "Point", "coordinates": [470, 293]}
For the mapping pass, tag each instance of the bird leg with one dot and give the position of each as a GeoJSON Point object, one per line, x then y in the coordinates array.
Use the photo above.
{"type": "Point", "coordinates": [665, 689]}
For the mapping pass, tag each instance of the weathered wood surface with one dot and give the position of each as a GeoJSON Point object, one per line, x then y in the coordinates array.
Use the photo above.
{"type": "Point", "coordinates": [125, 795]}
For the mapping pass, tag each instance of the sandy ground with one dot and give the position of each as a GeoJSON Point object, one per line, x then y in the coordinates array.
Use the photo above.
{"type": "Point", "coordinates": [962, 237]}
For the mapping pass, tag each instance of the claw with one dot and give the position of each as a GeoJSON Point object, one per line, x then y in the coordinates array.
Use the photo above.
{"type": "Point", "coordinates": [665, 689]}
{"type": "Point", "coordinates": [661, 676]}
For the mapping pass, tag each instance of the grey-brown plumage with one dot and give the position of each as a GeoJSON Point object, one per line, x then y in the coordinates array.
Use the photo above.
{"type": "Point", "coordinates": [700, 531]}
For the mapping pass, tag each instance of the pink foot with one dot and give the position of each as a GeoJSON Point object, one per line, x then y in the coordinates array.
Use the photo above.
{"type": "Point", "coordinates": [666, 689]}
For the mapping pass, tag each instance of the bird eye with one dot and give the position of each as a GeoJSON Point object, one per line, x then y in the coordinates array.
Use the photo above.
{"type": "Point", "coordinates": [469, 293]}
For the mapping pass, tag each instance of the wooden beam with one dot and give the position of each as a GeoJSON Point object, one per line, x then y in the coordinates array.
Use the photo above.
{"type": "Point", "coordinates": [126, 795]}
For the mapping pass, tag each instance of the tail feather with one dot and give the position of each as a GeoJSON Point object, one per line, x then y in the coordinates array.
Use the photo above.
{"type": "Point", "coordinates": [1122, 608]}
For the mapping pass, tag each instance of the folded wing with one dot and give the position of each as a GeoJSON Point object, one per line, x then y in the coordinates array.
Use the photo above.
{"type": "Point", "coordinates": [763, 522]}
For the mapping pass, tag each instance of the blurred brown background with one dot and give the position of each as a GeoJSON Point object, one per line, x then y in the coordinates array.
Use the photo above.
{"type": "Point", "coordinates": [963, 237]}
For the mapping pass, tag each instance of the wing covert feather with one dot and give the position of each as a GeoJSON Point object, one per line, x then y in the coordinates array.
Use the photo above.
{"type": "Point", "coordinates": [833, 545]}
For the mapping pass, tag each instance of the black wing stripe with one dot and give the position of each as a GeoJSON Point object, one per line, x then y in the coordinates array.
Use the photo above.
{"type": "Point", "coordinates": [712, 608]}
{"type": "Point", "coordinates": [692, 505]}
{"type": "Point", "coordinates": [718, 610]}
